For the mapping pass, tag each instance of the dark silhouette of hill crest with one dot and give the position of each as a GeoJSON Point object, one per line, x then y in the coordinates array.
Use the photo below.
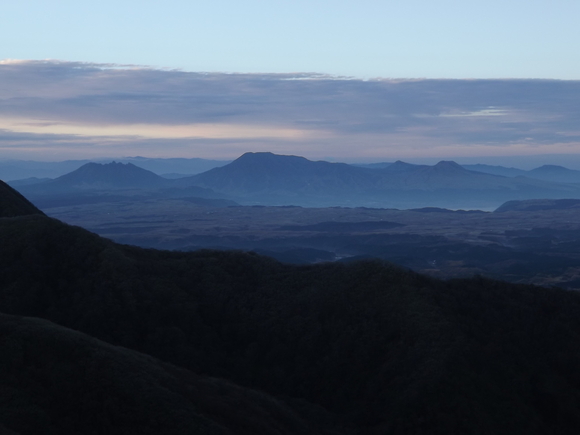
{"type": "Point", "coordinates": [12, 203]}
{"type": "Point", "coordinates": [356, 348]}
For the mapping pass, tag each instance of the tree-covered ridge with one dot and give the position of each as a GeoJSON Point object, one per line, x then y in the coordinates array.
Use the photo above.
{"type": "Point", "coordinates": [357, 348]}
{"type": "Point", "coordinates": [13, 203]}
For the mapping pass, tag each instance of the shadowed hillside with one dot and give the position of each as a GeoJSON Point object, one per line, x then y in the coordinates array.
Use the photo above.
{"type": "Point", "coordinates": [13, 203]}
{"type": "Point", "coordinates": [359, 348]}
{"type": "Point", "coordinates": [54, 380]}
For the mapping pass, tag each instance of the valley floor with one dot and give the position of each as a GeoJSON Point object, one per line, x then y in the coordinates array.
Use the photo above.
{"type": "Point", "coordinates": [540, 247]}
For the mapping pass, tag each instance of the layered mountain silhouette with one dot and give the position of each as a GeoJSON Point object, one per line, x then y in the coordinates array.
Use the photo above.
{"type": "Point", "coordinates": [496, 170]}
{"type": "Point", "coordinates": [97, 182]}
{"type": "Point", "coordinates": [96, 176]}
{"type": "Point", "coordinates": [400, 166]}
{"type": "Point", "coordinates": [270, 179]}
{"type": "Point", "coordinates": [275, 179]}
{"type": "Point", "coordinates": [554, 173]}
{"type": "Point", "coordinates": [97, 337]}
{"type": "Point", "coordinates": [21, 169]}
{"type": "Point", "coordinates": [271, 174]}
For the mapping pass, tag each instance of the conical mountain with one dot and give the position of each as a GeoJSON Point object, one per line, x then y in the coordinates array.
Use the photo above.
{"type": "Point", "coordinates": [97, 177]}
{"type": "Point", "coordinates": [555, 173]}
{"type": "Point", "coordinates": [448, 174]}
{"type": "Point", "coordinates": [272, 173]}
{"type": "Point", "coordinates": [277, 180]}
{"type": "Point", "coordinates": [13, 203]}
{"type": "Point", "coordinates": [111, 175]}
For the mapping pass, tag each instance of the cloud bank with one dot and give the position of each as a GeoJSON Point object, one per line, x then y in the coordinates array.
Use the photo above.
{"type": "Point", "coordinates": [56, 110]}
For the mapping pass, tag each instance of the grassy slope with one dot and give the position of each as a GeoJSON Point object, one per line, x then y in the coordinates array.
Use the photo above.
{"type": "Point", "coordinates": [54, 380]}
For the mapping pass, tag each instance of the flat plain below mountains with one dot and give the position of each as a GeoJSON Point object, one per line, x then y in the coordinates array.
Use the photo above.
{"type": "Point", "coordinates": [353, 212]}
{"type": "Point", "coordinates": [526, 241]}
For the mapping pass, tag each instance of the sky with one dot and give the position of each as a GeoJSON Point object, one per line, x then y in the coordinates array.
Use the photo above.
{"type": "Point", "coordinates": [345, 80]}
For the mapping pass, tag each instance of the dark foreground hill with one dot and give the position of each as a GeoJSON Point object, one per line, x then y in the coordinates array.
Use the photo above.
{"type": "Point", "coordinates": [54, 380]}
{"type": "Point", "coordinates": [13, 203]}
{"type": "Point", "coordinates": [360, 348]}
{"type": "Point", "coordinates": [364, 348]}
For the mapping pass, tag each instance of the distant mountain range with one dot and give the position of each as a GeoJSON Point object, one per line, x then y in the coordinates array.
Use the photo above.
{"type": "Point", "coordinates": [111, 182]}
{"type": "Point", "coordinates": [22, 169]}
{"type": "Point", "coordinates": [95, 177]}
{"type": "Point", "coordinates": [277, 180]}
{"type": "Point", "coordinates": [16, 170]}
{"type": "Point", "coordinates": [270, 179]}
{"type": "Point", "coordinates": [555, 173]}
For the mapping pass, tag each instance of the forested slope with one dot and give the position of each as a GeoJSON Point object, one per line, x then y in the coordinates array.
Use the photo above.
{"type": "Point", "coordinates": [13, 203]}
{"type": "Point", "coordinates": [58, 381]}
{"type": "Point", "coordinates": [380, 346]}
{"type": "Point", "coordinates": [357, 348]}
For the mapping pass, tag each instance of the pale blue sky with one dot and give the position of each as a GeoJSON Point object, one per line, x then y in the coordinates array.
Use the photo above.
{"type": "Point", "coordinates": [363, 38]}
{"type": "Point", "coordinates": [122, 79]}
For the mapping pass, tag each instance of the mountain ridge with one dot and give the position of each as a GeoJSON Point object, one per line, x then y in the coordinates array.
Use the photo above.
{"type": "Point", "coordinates": [269, 179]}
{"type": "Point", "coordinates": [255, 172]}
{"type": "Point", "coordinates": [12, 203]}
{"type": "Point", "coordinates": [21, 169]}
{"type": "Point", "coordinates": [110, 175]}
{"type": "Point", "coordinates": [114, 182]}
{"type": "Point", "coordinates": [278, 180]}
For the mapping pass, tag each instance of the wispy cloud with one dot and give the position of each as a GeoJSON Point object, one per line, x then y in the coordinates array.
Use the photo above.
{"type": "Point", "coordinates": [61, 105]}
